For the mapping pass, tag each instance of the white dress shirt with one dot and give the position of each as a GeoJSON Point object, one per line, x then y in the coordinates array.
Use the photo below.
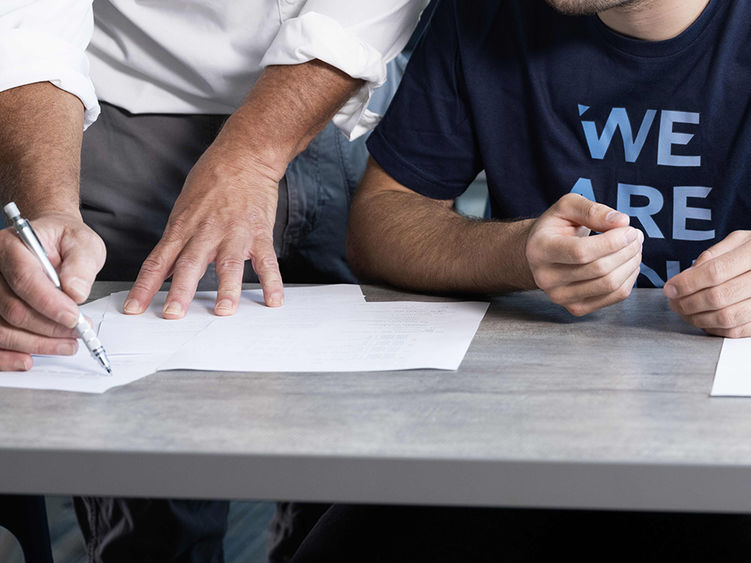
{"type": "Point", "coordinates": [197, 56]}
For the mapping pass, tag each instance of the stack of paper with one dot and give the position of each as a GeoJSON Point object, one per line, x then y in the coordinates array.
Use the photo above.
{"type": "Point", "coordinates": [319, 329]}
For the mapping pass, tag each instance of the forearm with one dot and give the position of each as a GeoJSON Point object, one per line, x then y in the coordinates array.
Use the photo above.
{"type": "Point", "coordinates": [288, 106]}
{"type": "Point", "coordinates": [411, 241]}
{"type": "Point", "coordinates": [40, 149]}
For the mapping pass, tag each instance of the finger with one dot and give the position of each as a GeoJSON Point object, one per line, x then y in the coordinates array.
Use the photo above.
{"type": "Point", "coordinates": [230, 264]}
{"type": "Point", "coordinates": [563, 274]}
{"type": "Point", "coordinates": [743, 331]}
{"type": "Point", "coordinates": [601, 287]}
{"type": "Point", "coordinates": [590, 214]}
{"type": "Point", "coordinates": [578, 251]}
{"type": "Point", "coordinates": [729, 317]}
{"type": "Point", "coordinates": [25, 278]}
{"type": "Point", "coordinates": [266, 267]}
{"type": "Point", "coordinates": [189, 268]}
{"type": "Point", "coordinates": [710, 273]}
{"type": "Point", "coordinates": [82, 255]}
{"type": "Point", "coordinates": [155, 269]}
{"type": "Point", "coordinates": [18, 340]}
{"type": "Point", "coordinates": [733, 240]}
{"type": "Point", "coordinates": [17, 313]}
{"type": "Point", "coordinates": [715, 298]}
{"type": "Point", "coordinates": [15, 361]}
{"type": "Point", "coordinates": [592, 304]}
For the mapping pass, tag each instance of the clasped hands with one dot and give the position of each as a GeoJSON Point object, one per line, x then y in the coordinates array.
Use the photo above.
{"type": "Point", "coordinates": [585, 273]}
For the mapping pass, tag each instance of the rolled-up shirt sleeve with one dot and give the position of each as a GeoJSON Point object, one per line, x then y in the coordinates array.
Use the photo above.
{"type": "Point", "coordinates": [45, 41]}
{"type": "Point", "coordinates": [359, 37]}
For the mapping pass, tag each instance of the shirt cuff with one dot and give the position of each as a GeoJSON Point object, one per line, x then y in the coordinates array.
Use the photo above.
{"type": "Point", "coordinates": [28, 56]}
{"type": "Point", "coordinates": [315, 36]}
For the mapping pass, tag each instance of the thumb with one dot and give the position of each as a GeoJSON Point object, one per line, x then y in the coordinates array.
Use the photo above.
{"type": "Point", "coordinates": [595, 216]}
{"type": "Point", "coordinates": [82, 255]}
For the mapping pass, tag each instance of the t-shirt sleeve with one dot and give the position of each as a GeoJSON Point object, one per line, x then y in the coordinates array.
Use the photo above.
{"type": "Point", "coordinates": [426, 140]}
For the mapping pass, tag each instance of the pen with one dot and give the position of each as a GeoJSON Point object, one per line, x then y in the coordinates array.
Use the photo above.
{"type": "Point", "coordinates": [29, 238]}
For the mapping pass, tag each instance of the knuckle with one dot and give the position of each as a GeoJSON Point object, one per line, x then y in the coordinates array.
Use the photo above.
{"type": "Point", "coordinates": [532, 253]}
{"type": "Point", "coordinates": [188, 262]}
{"type": "Point", "coordinates": [610, 283]}
{"type": "Point", "coordinates": [265, 263]}
{"type": "Point", "coordinates": [8, 338]}
{"type": "Point", "coordinates": [716, 271]}
{"type": "Point", "coordinates": [726, 318]}
{"type": "Point", "coordinates": [15, 312]}
{"type": "Point", "coordinates": [590, 210]}
{"type": "Point", "coordinates": [154, 265]}
{"type": "Point", "coordinates": [578, 255]}
{"type": "Point", "coordinates": [623, 291]}
{"type": "Point", "coordinates": [599, 269]}
{"type": "Point", "coordinates": [208, 224]}
{"type": "Point", "coordinates": [543, 279]}
{"type": "Point", "coordinates": [261, 232]}
{"type": "Point", "coordinates": [577, 309]}
{"type": "Point", "coordinates": [558, 295]}
{"type": "Point", "coordinates": [230, 264]}
{"type": "Point", "coordinates": [17, 277]}
{"type": "Point", "coordinates": [176, 230]}
{"type": "Point", "coordinates": [732, 333]}
{"type": "Point", "coordinates": [717, 297]}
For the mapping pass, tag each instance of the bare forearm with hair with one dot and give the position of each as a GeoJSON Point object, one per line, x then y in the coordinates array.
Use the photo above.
{"type": "Point", "coordinates": [288, 106]}
{"type": "Point", "coordinates": [40, 149]}
{"type": "Point", "coordinates": [408, 240]}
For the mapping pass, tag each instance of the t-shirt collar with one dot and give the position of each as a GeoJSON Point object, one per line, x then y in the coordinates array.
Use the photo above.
{"type": "Point", "coordinates": [641, 48]}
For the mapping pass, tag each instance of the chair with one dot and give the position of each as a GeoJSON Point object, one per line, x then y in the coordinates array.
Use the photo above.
{"type": "Point", "coordinates": [25, 516]}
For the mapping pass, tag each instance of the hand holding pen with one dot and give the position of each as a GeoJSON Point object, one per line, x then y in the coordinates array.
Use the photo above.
{"type": "Point", "coordinates": [35, 316]}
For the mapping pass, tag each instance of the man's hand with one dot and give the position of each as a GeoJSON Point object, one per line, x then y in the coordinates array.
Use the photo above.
{"type": "Point", "coordinates": [225, 214]}
{"type": "Point", "coordinates": [227, 208]}
{"type": "Point", "coordinates": [36, 317]}
{"type": "Point", "coordinates": [715, 293]}
{"type": "Point", "coordinates": [581, 272]}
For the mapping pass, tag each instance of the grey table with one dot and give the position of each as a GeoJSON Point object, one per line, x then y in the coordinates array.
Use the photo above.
{"type": "Point", "coordinates": [608, 411]}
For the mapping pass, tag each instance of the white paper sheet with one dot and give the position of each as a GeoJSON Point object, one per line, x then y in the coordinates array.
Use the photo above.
{"type": "Point", "coordinates": [80, 372]}
{"type": "Point", "coordinates": [150, 333]}
{"type": "Point", "coordinates": [320, 328]}
{"type": "Point", "coordinates": [137, 344]}
{"type": "Point", "coordinates": [733, 374]}
{"type": "Point", "coordinates": [366, 337]}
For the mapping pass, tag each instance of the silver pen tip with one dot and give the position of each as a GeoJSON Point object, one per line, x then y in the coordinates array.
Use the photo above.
{"type": "Point", "coordinates": [104, 361]}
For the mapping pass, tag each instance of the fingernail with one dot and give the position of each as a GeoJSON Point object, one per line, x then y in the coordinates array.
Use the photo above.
{"type": "Point", "coordinates": [173, 308]}
{"type": "Point", "coordinates": [67, 319]}
{"type": "Point", "coordinates": [631, 235]}
{"type": "Point", "coordinates": [79, 287]}
{"type": "Point", "coordinates": [613, 216]}
{"type": "Point", "coordinates": [131, 307]}
{"type": "Point", "coordinates": [671, 292]}
{"type": "Point", "coordinates": [22, 365]}
{"type": "Point", "coordinates": [276, 300]}
{"type": "Point", "coordinates": [67, 349]}
{"type": "Point", "coordinates": [224, 305]}
{"type": "Point", "coordinates": [640, 235]}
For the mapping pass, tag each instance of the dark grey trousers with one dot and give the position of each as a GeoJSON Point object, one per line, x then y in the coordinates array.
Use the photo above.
{"type": "Point", "coordinates": [133, 168]}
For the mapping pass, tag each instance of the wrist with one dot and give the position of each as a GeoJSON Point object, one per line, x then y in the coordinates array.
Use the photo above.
{"type": "Point", "coordinates": [512, 270]}
{"type": "Point", "coordinates": [33, 208]}
{"type": "Point", "coordinates": [248, 145]}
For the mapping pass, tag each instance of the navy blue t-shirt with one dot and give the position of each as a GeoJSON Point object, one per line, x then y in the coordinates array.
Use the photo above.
{"type": "Point", "coordinates": [547, 104]}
